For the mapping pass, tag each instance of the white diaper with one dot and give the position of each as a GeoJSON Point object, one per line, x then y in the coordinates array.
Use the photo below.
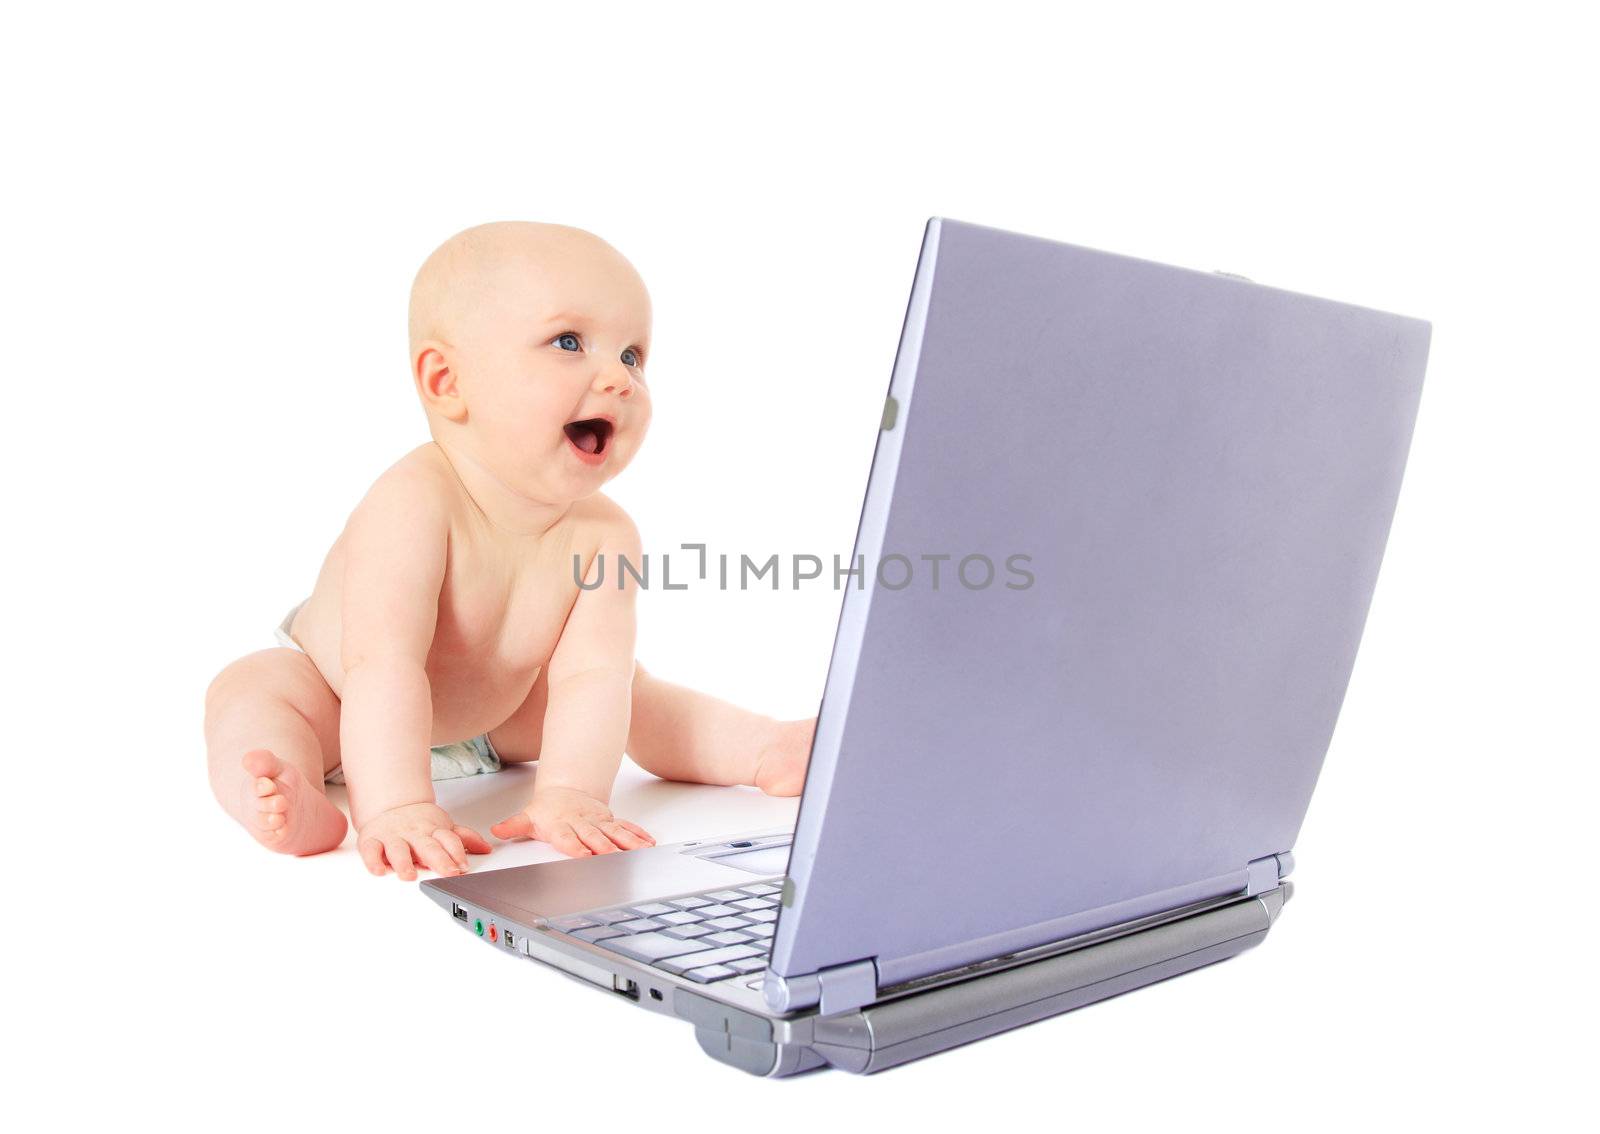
{"type": "Point", "coordinates": [475, 757]}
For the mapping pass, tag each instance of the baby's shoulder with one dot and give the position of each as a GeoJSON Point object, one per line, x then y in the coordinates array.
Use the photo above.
{"type": "Point", "coordinates": [416, 488]}
{"type": "Point", "coordinates": [604, 524]}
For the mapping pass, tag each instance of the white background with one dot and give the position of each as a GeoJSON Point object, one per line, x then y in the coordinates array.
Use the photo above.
{"type": "Point", "coordinates": [211, 221]}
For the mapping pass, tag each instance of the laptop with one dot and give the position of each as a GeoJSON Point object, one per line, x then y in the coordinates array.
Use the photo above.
{"type": "Point", "coordinates": [1081, 768]}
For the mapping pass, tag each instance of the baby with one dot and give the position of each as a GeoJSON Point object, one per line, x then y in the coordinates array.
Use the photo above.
{"type": "Point", "coordinates": [449, 608]}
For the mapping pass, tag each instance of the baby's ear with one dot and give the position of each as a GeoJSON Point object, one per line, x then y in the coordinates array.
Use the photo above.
{"type": "Point", "coordinates": [436, 381]}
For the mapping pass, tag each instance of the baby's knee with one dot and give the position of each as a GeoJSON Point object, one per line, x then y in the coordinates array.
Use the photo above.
{"type": "Point", "coordinates": [236, 677]}
{"type": "Point", "coordinates": [271, 672]}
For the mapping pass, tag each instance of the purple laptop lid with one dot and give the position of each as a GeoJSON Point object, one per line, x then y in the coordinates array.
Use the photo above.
{"type": "Point", "coordinates": [1202, 472]}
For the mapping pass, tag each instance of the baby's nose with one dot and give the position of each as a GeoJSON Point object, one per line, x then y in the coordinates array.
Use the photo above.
{"type": "Point", "coordinates": [620, 385]}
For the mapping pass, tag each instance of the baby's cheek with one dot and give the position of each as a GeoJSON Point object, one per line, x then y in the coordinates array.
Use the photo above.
{"type": "Point", "coordinates": [639, 433]}
{"type": "Point", "coordinates": [641, 411]}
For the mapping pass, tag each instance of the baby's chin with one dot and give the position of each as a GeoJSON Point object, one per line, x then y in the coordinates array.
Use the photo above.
{"type": "Point", "coordinates": [576, 480]}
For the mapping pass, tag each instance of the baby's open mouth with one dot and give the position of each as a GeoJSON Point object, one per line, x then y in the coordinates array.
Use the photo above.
{"type": "Point", "coordinates": [589, 435]}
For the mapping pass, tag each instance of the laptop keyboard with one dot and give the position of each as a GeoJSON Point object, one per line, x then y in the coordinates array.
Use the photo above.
{"type": "Point", "coordinates": [704, 937]}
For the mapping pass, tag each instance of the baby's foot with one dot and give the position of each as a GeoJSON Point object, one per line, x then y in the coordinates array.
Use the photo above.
{"type": "Point", "coordinates": [781, 764]}
{"type": "Point", "coordinates": [285, 813]}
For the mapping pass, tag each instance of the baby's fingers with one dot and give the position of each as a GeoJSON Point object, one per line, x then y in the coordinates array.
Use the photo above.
{"type": "Point", "coordinates": [565, 839]}
{"type": "Point", "coordinates": [623, 836]}
{"type": "Point", "coordinates": [430, 854]}
{"type": "Point", "coordinates": [474, 842]}
{"type": "Point", "coordinates": [451, 842]}
{"type": "Point", "coordinates": [371, 851]}
{"type": "Point", "coordinates": [649, 839]}
{"type": "Point", "coordinates": [517, 826]}
{"type": "Point", "coordinates": [594, 838]}
{"type": "Point", "coordinates": [399, 856]}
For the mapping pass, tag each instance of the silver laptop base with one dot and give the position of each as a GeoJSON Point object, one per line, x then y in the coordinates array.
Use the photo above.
{"type": "Point", "coordinates": [900, 1030]}
{"type": "Point", "coordinates": [906, 1023]}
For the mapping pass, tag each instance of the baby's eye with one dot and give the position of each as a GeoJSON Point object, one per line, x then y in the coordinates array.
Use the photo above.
{"type": "Point", "coordinates": [567, 341]}
{"type": "Point", "coordinates": [630, 357]}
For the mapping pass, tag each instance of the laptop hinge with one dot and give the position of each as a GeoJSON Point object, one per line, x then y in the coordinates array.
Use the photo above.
{"type": "Point", "coordinates": [838, 988]}
{"type": "Point", "coordinates": [1263, 873]}
{"type": "Point", "coordinates": [848, 986]}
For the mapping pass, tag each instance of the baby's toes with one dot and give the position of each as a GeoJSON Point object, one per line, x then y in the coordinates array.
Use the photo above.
{"type": "Point", "coordinates": [262, 764]}
{"type": "Point", "coordinates": [271, 824]}
{"type": "Point", "coordinates": [270, 808]}
{"type": "Point", "coordinates": [283, 811]}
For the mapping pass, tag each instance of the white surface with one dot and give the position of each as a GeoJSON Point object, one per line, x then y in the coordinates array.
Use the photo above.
{"type": "Point", "coordinates": [211, 224]}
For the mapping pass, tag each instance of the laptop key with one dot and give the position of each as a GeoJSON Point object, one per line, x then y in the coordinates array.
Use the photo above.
{"type": "Point", "coordinates": [568, 924]}
{"type": "Point", "coordinates": [710, 973]}
{"type": "Point", "coordinates": [693, 902]}
{"type": "Point", "coordinates": [760, 932]}
{"type": "Point", "coordinates": [653, 947]}
{"type": "Point", "coordinates": [716, 911]}
{"type": "Point", "coordinates": [686, 932]}
{"type": "Point", "coordinates": [748, 965]}
{"type": "Point", "coordinates": [752, 904]}
{"type": "Point", "coordinates": [724, 895]}
{"type": "Point", "coordinates": [761, 915]}
{"type": "Point", "coordinates": [727, 937]}
{"type": "Point", "coordinates": [762, 888]}
{"type": "Point", "coordinates": [598, 933]}
{"type": "Point", "coordinates": [650, 909]}
{"type": "Point", "coordinates": [608, 917]}
{"type": "Point", "coordinates": [638, 925]}
{"type": "Point", "coordinates": [678, 917]}
{"type": "Point", "coordinates": [726, 923]}
{"type": "Point", "coordinates": [681, 963]}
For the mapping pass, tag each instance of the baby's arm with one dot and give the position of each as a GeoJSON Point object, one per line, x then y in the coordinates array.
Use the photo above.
{"type": "Point", "coordinates": [395, 549]}
{"type": "Point", "coordinates": [590, 682]}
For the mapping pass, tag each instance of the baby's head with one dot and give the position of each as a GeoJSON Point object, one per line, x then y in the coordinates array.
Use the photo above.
{"type": "Point", "coordinates": [528, 345]}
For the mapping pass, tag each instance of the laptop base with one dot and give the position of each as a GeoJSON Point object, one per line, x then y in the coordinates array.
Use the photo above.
{"type": "Point", "coordinates": [902, 1029]}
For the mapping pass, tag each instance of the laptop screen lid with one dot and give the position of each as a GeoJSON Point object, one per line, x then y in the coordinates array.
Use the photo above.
{"type": "Point", "coordinates": [1161, 497]}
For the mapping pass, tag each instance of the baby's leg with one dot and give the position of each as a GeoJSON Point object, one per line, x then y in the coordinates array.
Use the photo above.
{"type": "Point", "coordinates": [681, 734]}
{"type": "Point", "coordinates": [272, 733]}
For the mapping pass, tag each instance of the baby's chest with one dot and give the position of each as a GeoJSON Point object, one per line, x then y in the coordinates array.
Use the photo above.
{"type": "Point", "coordinates": [501, 623]}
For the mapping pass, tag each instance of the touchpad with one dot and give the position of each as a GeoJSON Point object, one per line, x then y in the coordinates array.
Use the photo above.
{"type": "Point", "coordinates": [762, 860]}
{"type": "Point", "coordinates": [573, 885]}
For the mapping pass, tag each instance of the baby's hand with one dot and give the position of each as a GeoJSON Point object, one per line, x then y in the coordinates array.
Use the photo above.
{"type": "Point", "coordinates": [391, 839]}
{"type": "Point", "coordinates": [574, 823]}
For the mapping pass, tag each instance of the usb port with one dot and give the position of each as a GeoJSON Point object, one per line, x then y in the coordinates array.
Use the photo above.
{"type": "Point", "coordinates": [458, 912]}
{"type": "Point", "coordinates": [511, 942]}
{"type": "Point", "coordinates": [624, 986]}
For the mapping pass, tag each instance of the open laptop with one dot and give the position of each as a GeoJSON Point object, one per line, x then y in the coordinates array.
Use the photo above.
{"type": "Point", "coordinates": [1085, 775]}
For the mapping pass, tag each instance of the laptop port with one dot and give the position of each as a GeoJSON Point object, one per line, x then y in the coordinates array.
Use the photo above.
{"type": "Point", "coordinates": [655, 994]}
{"type": "Point", "coordinates": [458, 911]}
{"type": "Point", "coordinates": [478, 926]}
{"type": "Point", "coordinates": [494, 934]}
{"type": "Point", "coordinates": [625, 987]}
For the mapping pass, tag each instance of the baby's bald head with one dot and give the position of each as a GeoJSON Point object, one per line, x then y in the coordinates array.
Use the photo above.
{"type": "Point", "coordinates": [467, 273]}
{"type": "Point", "coordinates": [528, 348]}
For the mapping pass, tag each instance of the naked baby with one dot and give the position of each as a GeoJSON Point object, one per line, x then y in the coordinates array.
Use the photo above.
{"type": "Point", "coordinates": [448, 615]}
